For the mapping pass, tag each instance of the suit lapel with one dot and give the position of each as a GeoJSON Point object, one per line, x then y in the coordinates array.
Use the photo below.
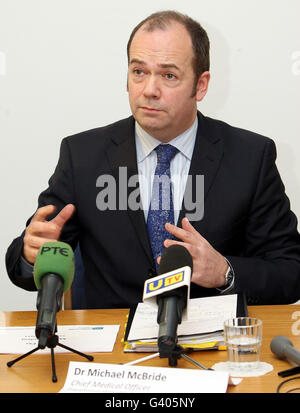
{"type": "Point", "coordinates": [207, 155]}
{"type": "Point", "coordinates": [122, 154]}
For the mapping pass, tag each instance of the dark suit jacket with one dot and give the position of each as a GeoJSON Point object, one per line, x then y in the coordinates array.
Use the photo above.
{"type": "Point", "coordinates": [247, 215]}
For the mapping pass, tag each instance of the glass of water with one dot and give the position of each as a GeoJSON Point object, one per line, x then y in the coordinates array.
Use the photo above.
{"type": "Point", "coordinates": [243, 338]}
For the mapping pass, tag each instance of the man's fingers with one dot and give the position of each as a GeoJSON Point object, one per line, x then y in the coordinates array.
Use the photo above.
{"type": "Point", "coordinates": [169, 242]}
{"type": "Point", "coordinates": [60, 219]}
{"type": "Point", "coordinates": [63, 216]}
{"type": "Point", "coordinates": [42, 228]}
{"type": "Point", "coordinates": [37, 242]}
{"type": "Point", "coordinates": [189, 227]}
{"type": "Point", "coordinates": [42, 213]}
{"type": "Point", "coordinates": [176, 231]}
{"type": "Point", "coordinates": [30, 254]}
{"type": "Point", "coordinates": [186, 234]}
{"type": "Point", "coordinates": [186, 225]}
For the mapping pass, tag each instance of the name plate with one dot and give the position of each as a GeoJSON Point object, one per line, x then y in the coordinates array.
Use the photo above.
{"type": "Point", "coordinates": [115, 378]}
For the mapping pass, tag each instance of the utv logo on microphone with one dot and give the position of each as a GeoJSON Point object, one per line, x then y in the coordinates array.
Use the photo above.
{"type": "Point", "coordinates": [165, 281]}
{"type": "Point", "coordinates": [172, 280]}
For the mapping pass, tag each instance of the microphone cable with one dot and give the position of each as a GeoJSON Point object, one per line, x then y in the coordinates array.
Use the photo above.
{"type": "Point", "coordinates": [286, 381]}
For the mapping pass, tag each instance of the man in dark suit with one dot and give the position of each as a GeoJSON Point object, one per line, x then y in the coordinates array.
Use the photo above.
{"type": "Point", "coordinates": [247, 240]}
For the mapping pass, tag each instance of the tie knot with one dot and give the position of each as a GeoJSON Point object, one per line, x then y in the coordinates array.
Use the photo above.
{"type": "Point", "coordinates": [165, 153]}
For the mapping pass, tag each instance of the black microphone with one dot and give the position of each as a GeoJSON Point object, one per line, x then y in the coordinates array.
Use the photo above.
{"type": "Point", "coordinates": [53, 274]}
{"type": "Point", "coordinates": [171, 303]}
{"type": "Point", "coordinates": [283, 348]}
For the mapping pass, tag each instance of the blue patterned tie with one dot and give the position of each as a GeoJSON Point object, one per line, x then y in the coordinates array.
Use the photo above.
{"type": "Point", "coordinates": [161, 208]}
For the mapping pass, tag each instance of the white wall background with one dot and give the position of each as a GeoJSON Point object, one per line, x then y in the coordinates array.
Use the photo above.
{"type": "Point", "coordinates": [63, 70]}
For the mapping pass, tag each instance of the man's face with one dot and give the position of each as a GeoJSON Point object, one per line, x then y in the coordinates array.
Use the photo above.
{"type": "Point", "coordinates": [161, 81]}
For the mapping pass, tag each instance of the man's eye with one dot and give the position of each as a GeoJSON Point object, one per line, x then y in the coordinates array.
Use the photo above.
{"type": "Point", "coordinates": [137, 72]}
{"type": "Point", "coordinates": [170, 76]}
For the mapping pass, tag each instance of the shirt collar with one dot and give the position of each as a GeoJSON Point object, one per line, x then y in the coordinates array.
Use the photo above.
{"type": "Point", "coordinates": [184, 142]}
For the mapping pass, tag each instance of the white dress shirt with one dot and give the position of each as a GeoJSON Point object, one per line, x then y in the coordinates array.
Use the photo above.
{"type": "Point", "coordinates": [179, 167]}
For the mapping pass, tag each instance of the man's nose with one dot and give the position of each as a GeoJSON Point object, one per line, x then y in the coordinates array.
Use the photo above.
{"type": "Point", "coordinates": [152, 87]}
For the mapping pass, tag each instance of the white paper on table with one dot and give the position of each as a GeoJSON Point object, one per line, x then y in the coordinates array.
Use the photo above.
{"type": "Point", "coordinates": [116, 378]}
{"type": "Point", "coordinates": [205, 315]}
{"type": "Point", "coordinates": [84, 338]}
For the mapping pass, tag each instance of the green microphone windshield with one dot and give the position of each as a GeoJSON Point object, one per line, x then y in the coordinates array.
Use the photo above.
{"type": "Point", "coordinates": [55, 258]}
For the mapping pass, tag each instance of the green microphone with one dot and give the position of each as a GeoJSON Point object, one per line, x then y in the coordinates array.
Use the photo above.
{"type": "Point", "coordinates": [53, 274]}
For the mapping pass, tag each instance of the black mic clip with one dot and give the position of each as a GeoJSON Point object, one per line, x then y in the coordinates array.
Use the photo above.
{"type": "Point", "coordinates": [173, 353]}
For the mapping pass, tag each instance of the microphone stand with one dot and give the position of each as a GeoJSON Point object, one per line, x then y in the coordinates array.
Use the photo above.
{"type": "Point", "coordinates": [168, 317]}
{"type": "Point", "coordinates": [173, 354]}
{"type": "Point", "coordinates": [52, 342]}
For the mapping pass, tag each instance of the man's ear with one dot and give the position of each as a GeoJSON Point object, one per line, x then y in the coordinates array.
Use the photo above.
{"type": "Point", "coordinates": [202, 85]}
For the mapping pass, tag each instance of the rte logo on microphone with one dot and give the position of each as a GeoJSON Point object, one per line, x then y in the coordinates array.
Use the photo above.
{"type": "Point", "coordinates": [54, 250]}
{"type": "Point", "coordinates": [166, 281]}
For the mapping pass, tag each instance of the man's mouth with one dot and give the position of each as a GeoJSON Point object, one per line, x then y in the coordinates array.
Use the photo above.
{"type": "Point", "coordinates": [149, 109]}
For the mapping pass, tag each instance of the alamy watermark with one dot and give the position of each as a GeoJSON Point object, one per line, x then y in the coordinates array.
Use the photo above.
{"type": "Point", "coordinates": [123, 193]}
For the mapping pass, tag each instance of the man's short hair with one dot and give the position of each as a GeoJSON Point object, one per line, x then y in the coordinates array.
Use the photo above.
{"type": "Point", "coordinates": [200, 41]}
